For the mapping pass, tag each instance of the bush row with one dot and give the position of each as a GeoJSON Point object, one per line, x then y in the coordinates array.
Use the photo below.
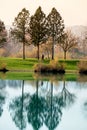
{"type": "Point", "coordinates": [52, 67]}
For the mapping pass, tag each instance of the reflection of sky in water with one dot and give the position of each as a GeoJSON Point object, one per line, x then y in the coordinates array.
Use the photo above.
{"type": "Point", "coordinates": [73, 117]}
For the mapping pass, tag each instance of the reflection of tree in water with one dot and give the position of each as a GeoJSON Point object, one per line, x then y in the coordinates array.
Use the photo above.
{"type": "Point", "coordinates": [35, 110]}
{"type": "Point", "coordinates": [3, 84]}
{"type": "Point", "coordinates": [54, 104]}
{"type": "Point", "coordinates": [47, 109]}
{"type": "Point", "coordinates": [39, 109]}
{"type": "Point", "coordinates": [2, 95]}
{"type": "Point", "coordinates": [52, 111]}
{"type": "Point", "coordinates": [66, 98]}
{"type": "Point", "coordinates": [2, 102]}
{"type": "Point", "coordinates": [18, 109]}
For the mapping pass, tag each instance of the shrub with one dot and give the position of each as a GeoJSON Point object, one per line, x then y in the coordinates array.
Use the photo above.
{"type": "Point", "coordinates": [52, 67]}
{"type": "Point", "coordinates": [82, 67]}
{"type": "Point", "coordinates": [3, 67]}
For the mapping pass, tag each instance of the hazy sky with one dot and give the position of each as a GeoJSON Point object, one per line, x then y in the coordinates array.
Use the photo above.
{"type": "Point", "coordinates": [74, 12]}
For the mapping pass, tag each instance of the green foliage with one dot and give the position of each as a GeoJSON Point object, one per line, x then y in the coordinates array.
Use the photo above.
{"type": "Point", "coordinates": [55, 26]}
{"type": "Point", "coordinates": [38, 28]}
{"type": "Point", "coordinates": [20, 28]}
{"type": "Point", "coordinates": [3, 34]}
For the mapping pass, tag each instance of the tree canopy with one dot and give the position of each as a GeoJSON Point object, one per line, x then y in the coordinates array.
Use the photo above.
{"type": "Point", "coordinates": [38, 28]}
{"type": "Point", "coordinates": [3, 34]}
{"type": "Point", "coordinates": [55, 26]}
{"type": "Point", "coordinates": [21, 27]}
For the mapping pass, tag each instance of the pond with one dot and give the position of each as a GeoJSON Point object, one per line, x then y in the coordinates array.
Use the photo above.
{"type": "Point", "coordinates": [43, 105]}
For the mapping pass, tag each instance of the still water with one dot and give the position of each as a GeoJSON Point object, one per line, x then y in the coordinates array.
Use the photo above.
{"type": "Point", "coordinates": [43, 105]}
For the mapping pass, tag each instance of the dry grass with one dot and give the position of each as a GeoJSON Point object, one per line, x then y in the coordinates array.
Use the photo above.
{"type": "Point", "coordinates": [2, 65]}
{"type": "Point", "coordinates": [82, 67]}
{"type": "Point", "coordinates": [52, 67]}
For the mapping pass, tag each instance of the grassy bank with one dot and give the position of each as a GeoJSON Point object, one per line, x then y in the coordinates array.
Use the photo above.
{"type": "Point", "coordinates": [19, 64]}
{"type": "Point", "coordinates": [24, 69]}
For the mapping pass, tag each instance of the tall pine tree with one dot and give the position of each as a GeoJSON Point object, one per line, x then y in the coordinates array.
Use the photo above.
{"type": "Point", "coordinates": [38, 28]}
{"type": "Point", "coordinates": [3, 34]}
{"type": "Point", "coordinates": [21, 27]}
{"type": "Point", "coordinates": [55, 26]}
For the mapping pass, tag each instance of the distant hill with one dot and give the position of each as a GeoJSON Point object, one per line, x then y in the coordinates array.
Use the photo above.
{"type": "Point", "coordinates": [79, 30]}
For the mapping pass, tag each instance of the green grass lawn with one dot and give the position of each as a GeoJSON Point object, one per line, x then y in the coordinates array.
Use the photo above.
{"type": "Point", "coordinates": [27, 64]}
{"type": "Point", "coordinates": [18, 63]}
{"type": "Point", "coordinates": [70, 64]}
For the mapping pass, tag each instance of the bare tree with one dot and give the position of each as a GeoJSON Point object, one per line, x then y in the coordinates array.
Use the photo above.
{"type": "Point", "coordinates": [84, 44]}
{"type": "Point", "coordinates": [68, 42]}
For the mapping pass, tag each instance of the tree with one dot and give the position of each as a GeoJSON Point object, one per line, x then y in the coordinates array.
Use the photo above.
{"type": "Point", "coordinates": [38, 28]}
{"type": "Point", "coordinates": [3, 34]}
{"type": "Point", "coordinates": [35, 109]}
{"type": "Point", "coordinates": [68, 42]}
{"type": "Point", "coordinates": [66, 98]}
{"type": "Point", "coordinates": [52, 110]}
{"type": "Point", "coordinates": [21, 28]}
{"type": "Point", "coordinates": [84, 44]}
{"type": "Point", "coordinates": [55, 26]}
{"type": "Point", "coordinates": [17, 109]}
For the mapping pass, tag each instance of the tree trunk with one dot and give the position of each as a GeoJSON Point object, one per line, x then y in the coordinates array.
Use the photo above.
{"type": "Point", "coordinates": [22, 105]}
{"type": "Point", "coordinates": [53, 48]}
{"type": "Point", "coordinates": [48, 54]}
{"type": "Point", "coordinates": [37, 99]}
{"type": "Point", "coordinates": [65, 55]}
{"type": "Point", "coordinates": [37, 87]}
{"type": "Point", "coordinates": [51, 103]}
{"type": "Point", "coordinates": [38, 51]}
{"type": "Point", "coordinates": [23, 50]}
